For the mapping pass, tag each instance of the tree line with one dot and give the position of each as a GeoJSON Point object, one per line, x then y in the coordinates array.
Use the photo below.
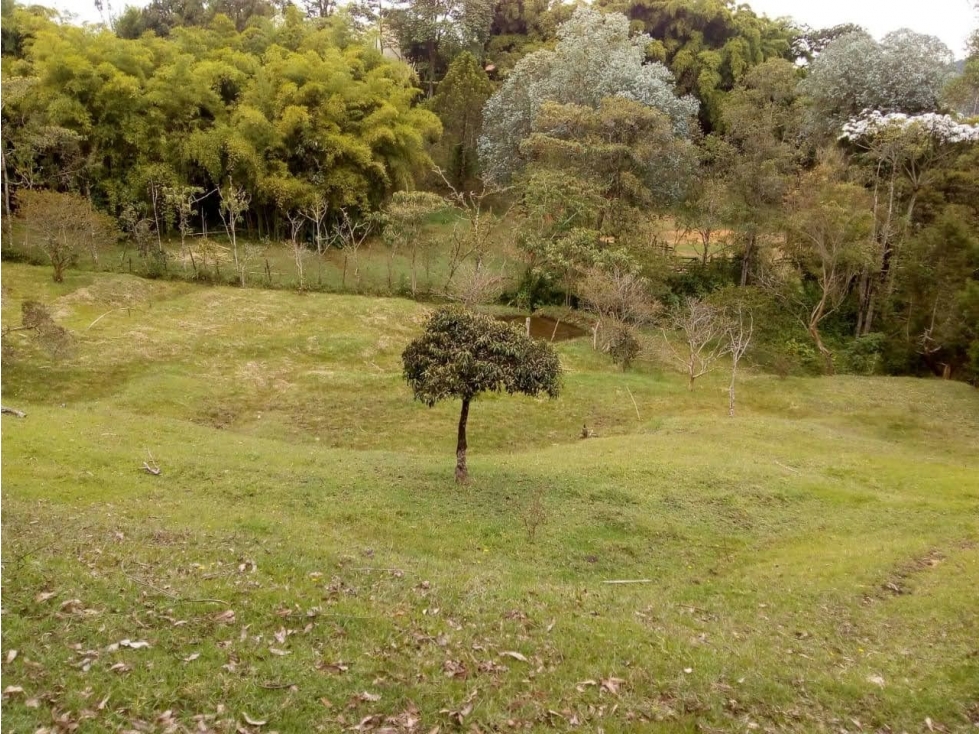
{"type": "Point", "coordinates": [643, 159]}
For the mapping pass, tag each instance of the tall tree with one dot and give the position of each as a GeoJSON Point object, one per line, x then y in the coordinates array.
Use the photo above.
{"type": "Point", "coordinates": [459, 105]}
{"type": "Point", "coordinates": [709, 45]}
{"type": "Point", "coordinates": [905, 72]}
{"type": "Point", "coordinates": [595, 57]}
{"type": "Point", "coordinates": [829, 243]}
{"type": "Point", "coordinates": [431, 32]}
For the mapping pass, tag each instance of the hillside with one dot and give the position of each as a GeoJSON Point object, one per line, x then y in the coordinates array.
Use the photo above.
{"type": "Point", "coordinates": [305, 560]}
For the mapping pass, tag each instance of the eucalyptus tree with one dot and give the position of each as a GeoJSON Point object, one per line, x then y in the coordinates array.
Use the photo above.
{"type": "Point", "coordinates": [904, 72]}
{"type": "Point", "coordinates": [596, 57]}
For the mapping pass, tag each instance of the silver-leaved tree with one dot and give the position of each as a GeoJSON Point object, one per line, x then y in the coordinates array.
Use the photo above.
{"type": "Point", "coordinates": [595, 57]}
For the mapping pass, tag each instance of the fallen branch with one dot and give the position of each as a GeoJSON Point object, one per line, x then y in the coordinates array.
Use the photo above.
{"type": "Point", "coordinates": [124, 308]}
{"type": "Point", "coordinates": [13, 411]}
{"type": "Point", "coordinates": [794, 471]}
{"type": "Point", "coordinates": [634, 404]}
{"type": "Point", "coordinates": [151, 467]}
{"type": "Point", "coordinates": [629, 581]}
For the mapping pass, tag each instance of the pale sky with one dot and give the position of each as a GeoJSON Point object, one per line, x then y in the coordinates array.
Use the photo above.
{"type": "Point", "coordinates": [950, 20]}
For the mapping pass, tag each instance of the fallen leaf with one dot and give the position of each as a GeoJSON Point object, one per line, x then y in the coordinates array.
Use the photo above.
{"type": "Point", "coordinates": [277, 651]}
{"type": "Point", "coordinates": [131, 644]}
{"type": "Point", "coordinates": [119, 668]}
{"type": "Point", "coordinates": [227, 617]}
{"type": "Point", "coordinates": [12, 690]}
{"type": "Point", "coordinates": [515, 655]}
{"type": "Point", "coordinates": [252, 722]}
{"type": "Point", "coordinates": [688, 671]}
{"type": "Point", "coordinates": [192, 657]}
{"type": "Point", "coordinates": [876, 680]}
{"type": "Point", "coordinates": [584, 684]}
{"type": "Point", "coordinates": [332, 667]}
{"type": "Point", "coordinates": [45, 595]}
{"type": "Point", "coordinates": [612, 685]}
{"type": "Point", "coordinates": [372, 697]}
{"type": "Point", "coordinates": [32, 703]}
{"type": "Point", "coordinates": [11, 655]}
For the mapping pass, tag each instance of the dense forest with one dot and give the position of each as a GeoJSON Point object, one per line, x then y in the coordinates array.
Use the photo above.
{"type": "Point", "coordinates": [645, 162]}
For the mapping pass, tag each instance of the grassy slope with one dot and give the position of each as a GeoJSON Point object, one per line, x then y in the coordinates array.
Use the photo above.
{"type": "Point", "coordinates": [826, 536]}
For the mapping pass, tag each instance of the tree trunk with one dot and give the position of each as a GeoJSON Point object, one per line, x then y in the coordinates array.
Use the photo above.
{"type": "Point", "coordinates": [462, 471]}
{"type": "Point", "coordinates": [6, 198]}
{"type": "Point", "coordinates": [823, 349]}
{"type": "Point", "coordinates": [431, 67]}
{"type": "Point", "coordinates": [730, 391]}
{"type": "Point", "coordinates": [749, 252]}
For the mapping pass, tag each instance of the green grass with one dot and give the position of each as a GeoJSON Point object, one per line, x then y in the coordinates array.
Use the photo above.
{"type": "Point", "coordinates": [812, 563]}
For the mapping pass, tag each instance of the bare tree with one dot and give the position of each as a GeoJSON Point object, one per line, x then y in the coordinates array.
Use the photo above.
{"type": "Point", "coordinates": [63, 225]}
{"type": "Point", "coordinates": [616, 294]}
{"type": "Point", "coordinates": [471, 238]}
{"type": "Point", "coordinates": [738, 331]}
{"type": "Point", "coordinates": [404, 218]}
{"type": "Point", "coordinates": [182, 201]}
{"type": "Point", "coordinates": [351, 234]}
{"type": "Point", "coordinates": [234, 203]}
{"type": "Point", "coordinates": [296, 220]}
{"type": "Point", "coordinates": [315, 211]}
{"type": "Point", "coordinates": [701, 326]}
{"type": "Point", "coordinates": [475, 284]}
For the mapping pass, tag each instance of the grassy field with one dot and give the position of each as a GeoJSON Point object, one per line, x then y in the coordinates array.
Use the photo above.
{"type": "Point", "coordinates": [306, 561]}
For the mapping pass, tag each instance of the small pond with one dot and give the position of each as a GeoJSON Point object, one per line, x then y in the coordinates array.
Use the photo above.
{"type": "Point", "coordinates": [544, 327]}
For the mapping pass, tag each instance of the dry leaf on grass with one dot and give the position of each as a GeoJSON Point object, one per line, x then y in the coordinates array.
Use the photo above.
{"type": "Point", "coordinates": [252, 722]}
{"type": "Point", "coordinates": [515, 655]}
{"type": "Point", "coordinates": [612, 685]}
{"type": "Point", "coordinates": [192, 657]}
{"type": "Point", "coordinates": [11, 655]}
{"type": "Point", "coordinates": [227, 617]}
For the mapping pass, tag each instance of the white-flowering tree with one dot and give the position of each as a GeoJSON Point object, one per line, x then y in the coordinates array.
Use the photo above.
{"type": "Point", "coordinates": [905, 72]}
{"type": "Point", "coordinates": [595, 58]}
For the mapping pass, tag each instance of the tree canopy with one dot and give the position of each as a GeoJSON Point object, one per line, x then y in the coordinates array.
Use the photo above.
{"type": "Point", "coordinates": [595, 57]}
{"type": "Point", "coordinates": [290, 110]}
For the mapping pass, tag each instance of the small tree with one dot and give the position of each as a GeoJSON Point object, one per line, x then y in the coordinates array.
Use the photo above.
{"type": "Point", "coordinates": [316, 211]}
{"type": "Point", "coordinates": [737, 333]}
{"type": "Point", "coordinates": [296, 220]}
{"type": "Point", "coordinates": [404, 217]}
{"type": "Point", "coordinates": [349, 235]}
{"type": "Point", "coordinates": [701, 327]}
{"type": "Point", "coordinates": [463, 354]}
{"type": "Point", "coordinates": [234, 204]}
{"type": "Point", "coordinates": [63, 226]}
{"type": "Point", "coordinates": [618, 296]}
